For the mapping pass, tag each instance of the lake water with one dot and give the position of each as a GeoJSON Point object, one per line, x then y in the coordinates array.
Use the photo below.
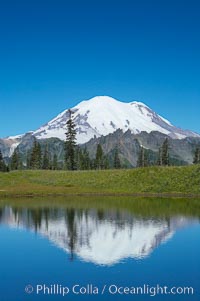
{"type": "Point", "coordinates": [102, 249]}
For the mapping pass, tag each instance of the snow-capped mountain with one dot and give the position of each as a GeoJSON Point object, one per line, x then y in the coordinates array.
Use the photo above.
{"type": "Point", "coordinates": [103, 115]}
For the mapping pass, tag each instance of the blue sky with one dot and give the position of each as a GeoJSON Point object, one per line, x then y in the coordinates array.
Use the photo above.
{"type": "Point", "coordinates": [56, 53]}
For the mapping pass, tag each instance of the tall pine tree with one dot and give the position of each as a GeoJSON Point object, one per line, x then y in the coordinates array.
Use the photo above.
{"type": "Point", "coordinates": [163, 154]}
{"type": "Point", "coordinates": [70, 143]}
{"type": "Point", "coordinates": [99, 159]}
{"type": "Point", "coordinates": [55, 162]}
{"type": "Point", "coordinates": [196, 159]}
{"type": "Point", "coordinates": [15, 162]}
{"type": "Point", "coordinates": [1, 161]}
{"type": "Point", "coordinates": [142, 158]}
{"type": "Point", "coordinates": [45, 159]}
{"type": "Point", "coordinates": [36, 156]}
{"type": "Point", "coordinates": [86, 158]}
{"type": "Point", "coordinates": [159, 161]}
{"type": "Point", "coordinates": [3, 166]}
{"type": "Point", "coordinates": [117, 163]}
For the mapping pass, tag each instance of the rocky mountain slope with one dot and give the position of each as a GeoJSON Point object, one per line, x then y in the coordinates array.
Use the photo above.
{"type": "Point", "coordinates": [181, 151]}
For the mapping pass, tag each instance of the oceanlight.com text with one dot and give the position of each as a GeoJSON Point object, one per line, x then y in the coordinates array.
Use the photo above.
{"type": "Point", "coordinates": [112, 289]}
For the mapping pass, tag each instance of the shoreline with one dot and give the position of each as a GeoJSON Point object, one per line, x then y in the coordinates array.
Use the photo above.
{"type": "Point", "coordinates": [101, 194]}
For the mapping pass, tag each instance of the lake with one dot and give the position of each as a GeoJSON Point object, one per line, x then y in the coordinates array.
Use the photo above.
{"type": "Point", "coordinates": [99, 249]}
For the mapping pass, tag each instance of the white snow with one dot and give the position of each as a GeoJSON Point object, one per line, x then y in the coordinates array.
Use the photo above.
{"type": "Point", "coordinates": [13, 147]}
{"type": "Point", "coordinates": [103, 115]}
{"type": "Point", "coordinates": [105, 111]}
{"type": "Point", "coordinates": [12, 142]}
{"type": "Point", "coordinates": [14, 137]}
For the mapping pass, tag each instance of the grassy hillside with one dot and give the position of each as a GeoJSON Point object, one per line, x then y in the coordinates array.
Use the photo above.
{"type": "Point", "coordinates": [151, 180]}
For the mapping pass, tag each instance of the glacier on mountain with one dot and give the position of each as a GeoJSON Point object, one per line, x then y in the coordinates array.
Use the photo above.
{"type": "Point", "coordinates": [103, 115]}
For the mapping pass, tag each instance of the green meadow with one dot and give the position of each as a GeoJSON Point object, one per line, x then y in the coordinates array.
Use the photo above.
{"type": "Point", "coordinates": [183, 180]}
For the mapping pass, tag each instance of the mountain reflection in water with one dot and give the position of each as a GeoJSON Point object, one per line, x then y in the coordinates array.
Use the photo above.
{"type": "Point", "coordinates": [97, 236]}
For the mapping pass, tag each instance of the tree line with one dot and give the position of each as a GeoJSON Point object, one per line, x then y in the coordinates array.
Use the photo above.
{"type": "Point", "coordinates": [38, 159]}
{"type": "Point", "coordinates": [163, 158]}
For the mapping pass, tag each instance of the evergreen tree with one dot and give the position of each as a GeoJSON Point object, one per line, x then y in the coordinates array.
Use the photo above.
{"type": "Point", "coordinates": [92, 164]}
{"type": "Point", "coordinates": [196, 159]}
{"type": "Point", "coordinates": [1, 156]}
{"type": "Point", "coordinates": [46, 161]}
{"type": "Point", "coordinates": [15, 162]}
{"type": "Point", "coordinates": [86, 159]}
{"type": "Point", "coordinates": [28, 159]}
{"type": "Point", "coordinates": [3, 166]}
{"type": "Point", "coordinates": [79, 158]}
{"type": "Point", "coordinates": [1, 161]}
{"type": "Point", "coordinates": [163, 154]}
{"type": "Point", "coordinates": [39, 156]}
{"type": "Point", "coordinates": [83, 161]}
{"type": "Point", "coordinates": [99, 157]}
{"type": "Point", "coordinates": [36, 156]}
{"type": "Point", "coordinates": [106, 164]}
{"type": "Point", "coordinates": [159, 162]}
{"type": "Point", "coordinates": [117, 163]}
{"type": "Point", "coordinates": [142, 158]}
{"type": "Point", "coordinates": [70, 144]}
{"type": "Point", "coordinates": [55, 162]}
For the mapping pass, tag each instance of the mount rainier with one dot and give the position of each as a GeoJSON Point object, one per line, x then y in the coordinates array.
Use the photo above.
{"type": "Point", "coordinates": [103, 115]}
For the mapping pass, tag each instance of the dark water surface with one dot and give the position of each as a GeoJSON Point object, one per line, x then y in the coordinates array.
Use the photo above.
{"type": "Point", "coordinates": [102, 249]}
